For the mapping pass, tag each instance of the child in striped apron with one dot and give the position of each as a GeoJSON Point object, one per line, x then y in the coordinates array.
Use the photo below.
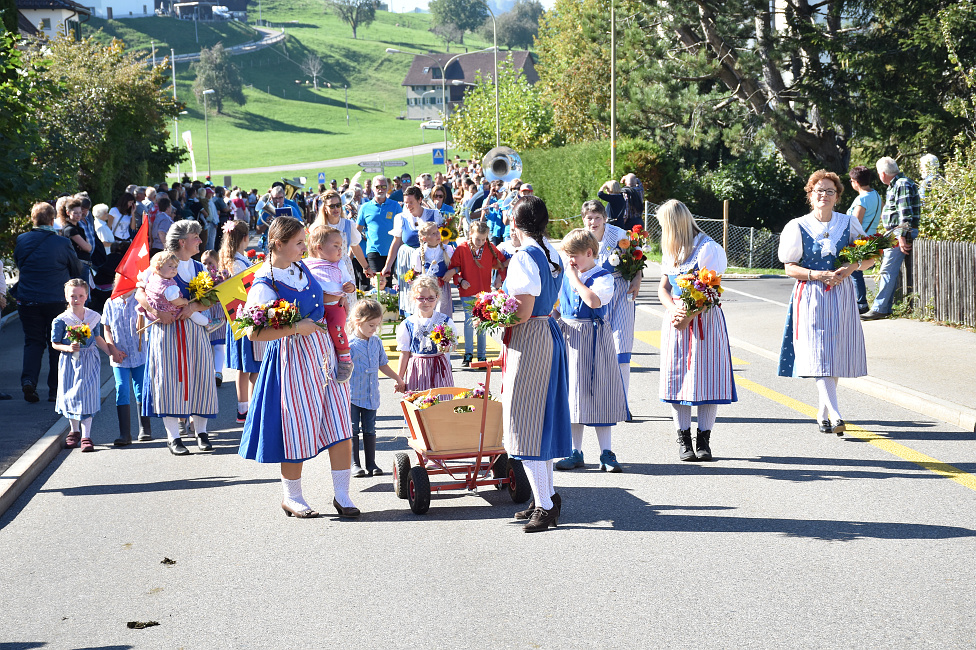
{"type": "Point", "coordinates": [79, 397]}
{"type": "Point", "coordinates": [535, 386]}
{"type": "Point", "coordinates": [696, 362]}
{"type": "Point", "coordinates": [422, 365]}
{"type": "Point", "coordinates": [596, 389]}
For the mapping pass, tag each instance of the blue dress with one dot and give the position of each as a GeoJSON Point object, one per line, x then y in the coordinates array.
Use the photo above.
{"type": "Point", "coordinates": [243, 355]}
{"type": "Point", "coordinates": [537, 422]}
{"type": "Point", "coordinates": [79, 388]}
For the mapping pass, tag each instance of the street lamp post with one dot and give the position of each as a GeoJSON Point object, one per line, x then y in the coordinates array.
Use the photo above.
{"type": "Point", "coordinates": [206, 123]}
{"type": "Point", "coordinates": [494, 33]}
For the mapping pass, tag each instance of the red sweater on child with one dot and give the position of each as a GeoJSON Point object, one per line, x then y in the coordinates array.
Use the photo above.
{"type": "Point", "coordinates": [480, 278]}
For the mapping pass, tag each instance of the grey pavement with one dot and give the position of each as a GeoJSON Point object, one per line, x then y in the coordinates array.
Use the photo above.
{"type": "Point", "coordinates": [791, 538]}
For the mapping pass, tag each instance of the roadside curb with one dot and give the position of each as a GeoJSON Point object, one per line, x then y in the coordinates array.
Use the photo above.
{"type": "Point", "coordinates": [18, 477]}
{"type": "Point", "coordinates": [930, 405]}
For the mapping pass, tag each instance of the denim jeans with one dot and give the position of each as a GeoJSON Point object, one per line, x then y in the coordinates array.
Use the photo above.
{"type": "Point", "coordinates": [364, 417]}
{"type": "Point", "coordinates": [37, 319]}
{"type": "Point", "coordinates": [122, 378]}
{"type": "Point", "coordinates": [890, 265]}
{"type": "Point", "coordinates": [860, 290]}
{"type": "Point", "coordinates": [469, 330]}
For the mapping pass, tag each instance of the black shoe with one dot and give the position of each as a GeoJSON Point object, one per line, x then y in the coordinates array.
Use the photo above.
{"type": "Point", "coordinates": [838, 427]}
{"type": "Point", "coordinates": [525, 514]}
{"type": "Point", "coordinates": [30, 393]}
{"type": "Point", "coordinates": [52, 398]}
{"type": "Point", "coordinates": [685, 450]}
{"type": "Point", "coordinates": [203, 442]}
{"type": "Point", "coordinates": [241, 417]}
{"type": "Point", "coordinates": [359, 472]}
{"type": "Point", "coordinates": [346, 513]}
{"type": "Point", "coordinates": [863, 310]}
{"type": "Point", "coordinates": [825, 426]}
{"type": "Point", "coordinates": [125, 427]}
{"type": "Point", "coordinates": [541, 520]}
{"type": "Point", "coordinates": [702, 450]}
{"type": "Point", "coordinates": [466, 362]}
{"type": "Point", "coordinates": [4, 396]}
{"type": "Point", "coordinates": [873, 315]}
{"type": "Point", "coordinates": [219, 379]}
{"type": "Point", "coordinates": [177, 448]}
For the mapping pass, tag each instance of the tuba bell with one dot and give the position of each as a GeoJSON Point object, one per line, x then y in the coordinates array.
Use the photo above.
{"type": "Point", "coordinates": [502, 164]}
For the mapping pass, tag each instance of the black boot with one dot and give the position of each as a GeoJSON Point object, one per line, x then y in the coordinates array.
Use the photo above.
{"type": "Point", "coordinates": [357, 469]}
{"type": "Point", "coordinates": [369, 447]}
{"type": "Point", "coordinates": [145, 428]}
{"type": "Point", "coordinates": [125, 426]}
{"type": "Point", "coordinates": [685, 449]}
{"type": "Point", "coordinates": [702, 449]}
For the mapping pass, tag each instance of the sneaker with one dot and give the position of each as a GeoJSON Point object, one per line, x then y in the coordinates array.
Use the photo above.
{"type": "Point", "coordinates": [219, 378]}
{"type": "Point", "coordinates": [72, 440]}
{"type": "Point", "coordinates": [344, 371]}
{"type": "Point", "coordinates": [241, 417]}
{"type": "Point", "coordinates": [466, 362]}
{"type": "Point", "coordinates": [86, 444]}
{"type": "Point", "coordinates": [608, 462]}
{"type": "Point", "coordinates": [573, 461]}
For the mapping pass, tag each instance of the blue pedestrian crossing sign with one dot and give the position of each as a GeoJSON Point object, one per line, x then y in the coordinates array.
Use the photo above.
{"type": "Point", "coordinates": [321, 178]}
{"type": "Point", "coordinates": [438, 156]}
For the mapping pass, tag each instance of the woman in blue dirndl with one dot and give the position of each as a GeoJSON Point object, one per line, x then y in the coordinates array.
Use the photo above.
{"type": "Point", "coordinates": [298, 408]}
{"type": "Point", "coordinates": [823, 337]}
{"type": "Point", "coordinates": [536, 422]}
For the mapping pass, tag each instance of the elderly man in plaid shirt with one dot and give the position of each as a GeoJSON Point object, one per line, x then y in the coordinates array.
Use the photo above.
{"type": "Point", "coordinates": [901, 213]}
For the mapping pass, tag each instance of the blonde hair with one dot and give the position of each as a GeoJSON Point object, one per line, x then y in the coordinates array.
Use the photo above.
{"type": "Point", "coordinates": [319, 236]}
{"type": "Point", "coordinates": [76, 282]}
{"type": "Point", "coordinates": [424, 230]}
{"type": "Point", "coordinates": [425, 282]}
{"type": "Point", "coordinates": [613, 187]}
{"type": "Point", "coordinates": [365, 311]}
{"type": "Point", "coordinates": [579, 241]}
{"type": "Point", "coordinates": [678, 231]}
{"type": "Point", "coordinates": [161, 258]}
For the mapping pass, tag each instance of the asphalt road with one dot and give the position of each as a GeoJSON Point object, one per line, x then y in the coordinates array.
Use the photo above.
{"type": "Point", "coordinates": [791, 538]}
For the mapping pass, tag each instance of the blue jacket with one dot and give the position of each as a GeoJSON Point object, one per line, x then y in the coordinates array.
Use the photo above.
{"type": "Point", "coordinates": [46, 261]}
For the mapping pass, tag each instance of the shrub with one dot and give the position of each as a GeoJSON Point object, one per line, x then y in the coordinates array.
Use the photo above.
{"type": "Point", "coordinates": [949, 213]}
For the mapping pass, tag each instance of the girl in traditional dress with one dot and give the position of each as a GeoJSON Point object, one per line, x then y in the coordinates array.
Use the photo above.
{"type": "Point", "coordinates": [120, 321]}
{"type": "Point", "coordinates": [535, 386]}
{"type": "Point", "coordinates": [695, 356]}
{"type": "Point", "coordinates": [623, 306]}
{"type": "Point", "coordinates": [78, 367]}
{"type": "Point", "coordinates": [325, 264]}
{"type": "Point", "coordinates": [433, 258]}
{"type": "Point", "coordinates": [180, 380]}
{"type": "Point", "coordinates": [823, 337]}
{"type": "Point", "coordinates": [596, 390]}
{"type": "Point", "coordinates": [298, 408]}
{"type": "Point", "coordinates": [422, 365]}
{"type": "Point", "coordinates": [216, 319]}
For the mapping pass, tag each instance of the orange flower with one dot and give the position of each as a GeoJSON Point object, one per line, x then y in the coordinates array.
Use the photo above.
{"type": "Point", "coordinates": [711, 278]}
{"type": "Point", "coordinates": [623, 244]}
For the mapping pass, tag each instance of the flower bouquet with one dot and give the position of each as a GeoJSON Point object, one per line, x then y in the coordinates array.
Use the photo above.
{"type": "Point", "coordinates": [78, 334]}
{"type": "Point", "coordinates": [277, 314]}
{"type": "Point", "coordinates": [409, 275]}
{"type": "Point", "coordinates": [701, 289]}
{"type": "Point", "coordinates": [493, 310]}
{"type": "Point", "coordinates": [630, 255]}
{"type": "Point", "coordinates": [449, 231]}
{"type": "Point", "coordinates": [866, 248]}
{"type": "Point", "coordinates": [443, 337]}
{"type": "Point", "coordinates": [202, 289]}
{"type": "Point", "coordinates": [421, 400]}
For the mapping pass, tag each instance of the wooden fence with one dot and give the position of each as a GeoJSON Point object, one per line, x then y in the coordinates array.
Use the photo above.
{"type": "Point", "coordinates": [943, 277]}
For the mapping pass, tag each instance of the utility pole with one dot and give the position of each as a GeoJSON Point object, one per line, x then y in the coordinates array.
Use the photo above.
{"type": "Point", "coordinates": [176, 120]}
{"type": "Point", "coordinates": [613, 91]}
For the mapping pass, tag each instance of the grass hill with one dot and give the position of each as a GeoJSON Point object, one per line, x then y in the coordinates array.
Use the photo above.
{"type": "Point", "coordinates": [285, 120]}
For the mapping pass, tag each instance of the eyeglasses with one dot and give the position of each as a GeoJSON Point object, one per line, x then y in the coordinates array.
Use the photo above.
{"type": "Point", "coordinates": [825, 192]}
{"type": "Point", "coordinates": [426, 299]}
{"type": "Point", "coordinates": [334, 206]}
{"type": "Point", "coordinates": [380, 187]}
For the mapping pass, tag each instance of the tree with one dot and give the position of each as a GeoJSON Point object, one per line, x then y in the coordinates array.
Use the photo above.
{"type": "Point", "coordinates": [449, 33]}
{"type": "Point", "coordinates": [355, 13]}
{"type": "Point", "coordinates": [216, 72]}
{"type": "Point", "coordinates": [9, 11]}
{"type": "Point", "coordinates": [313, 67]}
{"type": "Point", "coordinates": [467, 15]}
{"type": "Point", "coordinates": [518, 28]}
{"type": "Point", "coordinates": [526, 120]}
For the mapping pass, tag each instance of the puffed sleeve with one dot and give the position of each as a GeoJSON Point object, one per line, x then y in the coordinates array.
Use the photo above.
{"type": "Point", "coordinates": [791, 243]}
{"type": "Point", "coordinates": [260, 294]}
{"type": "Point", "coordinates": [523, 276]}
{"type": "Point", "coordinates": [397, 230]}
{"type": "Point", "coordinates": [712, 257]}
{"type": "Point", "coordinates": [57, 331]}
{"type": "Point", "coordinates": [403, 337]}
{"type": "Point", "coordinates": [857, 229]}
{"type": "Point", "coordinates": [603, 288]}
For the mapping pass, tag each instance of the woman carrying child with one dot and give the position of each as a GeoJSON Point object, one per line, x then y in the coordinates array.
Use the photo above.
{"type": "Point", "coordinates": [423, 365]}
{"type": "Point", "coordinates": [474, 270]}
{"type": "Point", "coordinates": [535, 386]}
{"type": "Point", "coordinates": [433, 258]}
{"type": "Point", "coordinates": [120, 322]}
{"type": "Point", "coordinates": [596, 395]}
{"type": "Point", "coordinates": [298, 409]}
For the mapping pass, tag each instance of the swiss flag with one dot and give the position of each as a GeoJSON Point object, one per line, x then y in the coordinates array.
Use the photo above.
{"type": "Point", "coordinates": [136, 261]}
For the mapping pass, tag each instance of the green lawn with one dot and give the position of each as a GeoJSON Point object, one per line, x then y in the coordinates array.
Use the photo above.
{"type": "Point", "coordinates": [169, 33]}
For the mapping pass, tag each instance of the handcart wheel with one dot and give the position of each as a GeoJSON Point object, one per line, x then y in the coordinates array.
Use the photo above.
{"type": "Point", "coordinates": [518, 483]}
{"type": "Point", "coordinates": [500, 470]}
{"type": "Point", "coordinates": [401, 467]}
{"type": "Point", "coordinates": [418, 490]}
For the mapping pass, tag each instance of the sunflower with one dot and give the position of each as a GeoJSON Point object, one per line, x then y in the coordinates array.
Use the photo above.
{"type": "Point", "coordinates": [448, 233]}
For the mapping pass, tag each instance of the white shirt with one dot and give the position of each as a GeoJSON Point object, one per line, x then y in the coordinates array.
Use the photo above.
{"type": "Point", "coordinates": [827, 235]}
{"type": "Point", "coordinates": [415, 222]}
{"type": "Point", "coordinates": [120, 227]}
{"type": "Point", "coordinates": [602, 286]}
{"type": "Point", "coordinates": [261, 293]}
{"type": "Point", "coordinates": [524, 276]}
{"type": "Point", "coordinates": [104, 233]}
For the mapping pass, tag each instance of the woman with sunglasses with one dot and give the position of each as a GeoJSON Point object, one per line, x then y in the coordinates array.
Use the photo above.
{"type": "Point", "coordinates": [437, 197]}
{"type": "Point", "coordinates": [330, 214]}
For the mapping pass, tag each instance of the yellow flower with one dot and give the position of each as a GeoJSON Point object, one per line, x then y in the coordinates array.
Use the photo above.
{"type": "Point", "coordinates": [860, 242]}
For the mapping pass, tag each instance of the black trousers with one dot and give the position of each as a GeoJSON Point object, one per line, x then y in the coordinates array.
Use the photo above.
{"type": "Point", "coordinates": [376, 261]}
{"type": "Point", "coordinates": [36, 318]}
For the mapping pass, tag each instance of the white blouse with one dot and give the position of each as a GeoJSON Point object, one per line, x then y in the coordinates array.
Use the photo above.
{"type": "Point", "coordinates": [524, 275]}
{"type": "Point", "coordinates": [415, 222]}
{"type": "Point", "coordinates": [827, 235]}
{"type": "Point", "coordinates": [710, 256]}
{"type": "Point", "coordinates": [262, 293]}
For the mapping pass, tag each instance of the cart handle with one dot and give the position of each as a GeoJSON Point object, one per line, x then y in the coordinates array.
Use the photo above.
{"type": "Point", "coordinates": [494, 363]}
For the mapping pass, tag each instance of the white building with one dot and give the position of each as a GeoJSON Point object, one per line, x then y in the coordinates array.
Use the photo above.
{"type": "Point", "coordinates": [116, 9]}
{"type": "Point", "coordinates": [54, 18]}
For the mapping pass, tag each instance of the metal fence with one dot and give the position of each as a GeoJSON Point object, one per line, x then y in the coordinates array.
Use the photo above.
{"type": "Point", "coordinates": [749, 248]}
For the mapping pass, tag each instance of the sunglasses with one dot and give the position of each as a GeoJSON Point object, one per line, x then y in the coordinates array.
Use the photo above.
{"type": "Point", "coordinates": [381, 187]}
{"type": "Point", "coordinates": [439, 196]}
{"type": "Point", "coordinates": [334, 206]}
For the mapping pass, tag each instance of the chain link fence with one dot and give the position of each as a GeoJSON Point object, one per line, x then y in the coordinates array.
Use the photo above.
{"type": "Point", "coordinates": [748, 248]}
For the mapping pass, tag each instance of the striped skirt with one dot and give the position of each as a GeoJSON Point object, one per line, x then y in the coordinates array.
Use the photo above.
{"type": "Point", "coordinates": [535, 391]}
{"type": "Point", "coordinates": [298, 408]}
{"type": "Point", "coordinates": [823, 336]}
{"type": "Point", "coordinates": [78, 386]}
{"type": "Point", "coordinates": [622, 315]}
{"type": "Point", "coordinates": [696, 363]}
{"type": "Point", "coordinates": [428, 371]}
{"type": "Point", "coordinates": [219, 335]}
{"type": "Point", "coordinates": [596, 395]}
{"type": "Point", "coordinates": [179, 377]}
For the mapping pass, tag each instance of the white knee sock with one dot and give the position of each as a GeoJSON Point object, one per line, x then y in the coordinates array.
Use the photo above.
{"type": "Point", "coordinates": [827, 387]}
{"type": "Point", "coordinates": [538, 473]}
{"type": "Point", "coordinates": [681, 415]}
{"type": "Point", "coordinates": [199, 423]}
{"type": "Point", "coordinates": [219, 358]}
{"type": "Point", "coordinates": [549, 482]}
{"type": "Point", "coordinates": [706, 416]}
{"type": "Point", "coordinates": [625, 376]}
{"type": "Point", "coordinates": [86, 428]}
{"type": "Point", "coordinates": [75, 425]}
{"type": "Point", "coordinates": [172, 426]}
{"type": "Point", "coordinates": [340, 485]}
{"type": "Point", "coordinates": [293, 497]}
{"type": "Point", "coordinates": [577, 431]}
{"type": "Point", "coordinates": [603, 437]}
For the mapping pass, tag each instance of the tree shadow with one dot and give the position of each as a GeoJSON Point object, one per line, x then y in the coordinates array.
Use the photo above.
{"type": "Point", "coordinates": [260, 123]}
{"type": "Point", "coordinates": [200, 483]}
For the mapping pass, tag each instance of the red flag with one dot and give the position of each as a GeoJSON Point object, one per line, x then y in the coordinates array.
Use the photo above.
{"type": "Point", "coordinates": [136, 261]}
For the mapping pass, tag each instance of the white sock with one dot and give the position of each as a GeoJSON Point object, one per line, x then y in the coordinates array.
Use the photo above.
{"type": "Point", "coordinates": [625, 376]}
{"type": "Point", "coordinates": [219, 358]}
{"type": "Point", "coordinates": [86, 428]}
{"type": "Point", "coordinates": [293, 497]}
{"type": "Point", "coordinates": [603, 437]}
{"type": "Point", "coordinates": [549, 482]}
{"type": "Point", "coordinates": [827, 387]}
{"type": "Point", "coordinates": [340, 485]}
{"type": "Point", "coordinates": [681, 415]}
{"type": "Point", "coordinates": [537, 473]}
{"type": "Point", "coordinates": [242, 407]}
{"type": "Point", "coordinates": [200, 319]}
{"type": "Point", "coordinates": [172, 426]}
{"type": "Point", "coordinates": [199, 424]}
{"type": "Point", "coordinates": [706, 416]}
{"type": "Point", "coordinates": [577, 431]}
{"type": "Point", "coordinates": [75, 425]}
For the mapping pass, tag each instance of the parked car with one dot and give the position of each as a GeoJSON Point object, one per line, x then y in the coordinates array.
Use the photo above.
{"type": "Point", "coordinates": [433, 124]}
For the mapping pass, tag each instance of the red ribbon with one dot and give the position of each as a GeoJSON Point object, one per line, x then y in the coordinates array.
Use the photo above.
{"type": "Point", "coordinates": [183, 368]}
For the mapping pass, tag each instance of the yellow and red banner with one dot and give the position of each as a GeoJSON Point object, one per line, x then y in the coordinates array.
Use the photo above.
{"type": "Point", "coordinates": [232, 293]}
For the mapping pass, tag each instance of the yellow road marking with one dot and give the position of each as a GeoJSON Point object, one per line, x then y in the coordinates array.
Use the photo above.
{"type": "Point", "coordinates": [894, 448]}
